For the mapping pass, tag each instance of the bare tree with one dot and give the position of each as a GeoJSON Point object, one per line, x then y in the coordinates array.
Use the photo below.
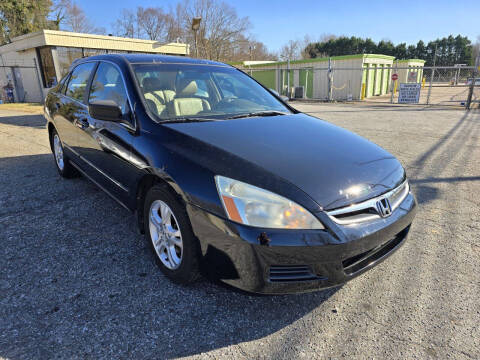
{"type": "Point", "coordinates": [75, 20]}
{"type": "Point", "coordinates": [126, 25]}
{"type": "Point", "coordinates": [219, 30]}
{"type": "Point", "coordinates": [222, 33]}
{"type": "Point", "coordinates": [325, 37]}
{"type": "Point", "coordinates": [476, 49]}
{"type": "Point", "coordinates": [58, 12]}
{"type": "Point", "coordinates": [291, 50]}
{"type": "Point", "coordinates": [304, 54]}
{"type": "Point", "coordinates": [153, 22]}
{"type": "Point", "coordinates": [175, 29]}
{"type": "Point", "coordinates": [247, 48]}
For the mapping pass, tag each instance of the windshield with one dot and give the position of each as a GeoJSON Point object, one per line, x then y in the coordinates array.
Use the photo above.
{"type": "Point", "coordinates": [179, 91]}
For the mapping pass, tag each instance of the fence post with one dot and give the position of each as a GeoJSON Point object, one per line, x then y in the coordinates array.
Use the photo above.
{"type": "Point", "coordinates": [288, 78]}
{"type": "Point", "coordinates": [394, 85]}
{"type": "Point", "coordinates": [472, 85]}
{"type": "Point", "coordinates": [42, 100]}
{"type": "Point", "coordinates": [430, 86]}
{"type": "Point", "coordinates": [330, 82]}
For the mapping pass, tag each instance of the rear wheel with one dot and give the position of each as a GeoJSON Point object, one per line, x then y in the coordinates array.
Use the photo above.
{"type": "Point", "coordinates": [170, 234]}
{"type": "Point", "coordinates": [64, 167]}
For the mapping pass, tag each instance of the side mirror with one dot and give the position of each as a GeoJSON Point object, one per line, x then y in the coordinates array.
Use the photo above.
{"type": "Point", "coordinates": [282, 97]}
{"type": "Point", "coordinates": [107, 110]}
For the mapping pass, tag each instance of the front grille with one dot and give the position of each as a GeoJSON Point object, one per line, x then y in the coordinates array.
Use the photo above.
{"type": "Point", "coordinates": [358, 262]}
{"type": "Point", "coordinates": [291, 273]}
{"type": "Point", "coordinates": [368, 210]}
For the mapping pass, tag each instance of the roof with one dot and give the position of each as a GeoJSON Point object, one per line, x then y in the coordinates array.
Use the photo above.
{"type": "Point", "coordinates": [342, 57]}
{"type": "Point", "coordinates": [91, 41]}
{"type": "Point", "coordinates": [147, 58]}
{"type": "Point", "coordinates": [412, 61]}
{"type": "Point", "coordinates": [152, 59]}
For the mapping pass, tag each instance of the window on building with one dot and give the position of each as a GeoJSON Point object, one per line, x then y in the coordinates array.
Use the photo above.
{"type": "Point", "coordinates": [93, 52]}
{"type": "Point", "coordinates": [108, 85]}
{"type": "Point", "coordinates": [47, 68]}
{"type": "Point", "coordinates": [77, 83]}
{"type": "Point", "coordinates": [65, 57]}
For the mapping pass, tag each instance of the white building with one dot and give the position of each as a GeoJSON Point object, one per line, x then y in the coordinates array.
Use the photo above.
{"type": "Point", "coordinates": [33, 63]}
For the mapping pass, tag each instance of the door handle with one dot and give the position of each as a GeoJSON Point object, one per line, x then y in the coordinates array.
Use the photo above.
{"type": "Point", "coordinates": [82, 123]}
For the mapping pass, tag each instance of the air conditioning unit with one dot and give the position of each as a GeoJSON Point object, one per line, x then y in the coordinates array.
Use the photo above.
{"type": "Point", "coordinates": [298, 92]}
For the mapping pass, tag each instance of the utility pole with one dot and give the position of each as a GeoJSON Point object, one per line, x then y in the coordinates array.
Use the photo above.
{"type": "Point", "coordinates": [195, 26]}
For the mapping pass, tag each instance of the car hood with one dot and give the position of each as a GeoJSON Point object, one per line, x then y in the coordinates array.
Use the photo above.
{"type": "Point", "coordinates": [334, 166]}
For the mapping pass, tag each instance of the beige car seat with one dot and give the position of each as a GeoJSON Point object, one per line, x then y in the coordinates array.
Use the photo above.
{"type": "Point", "coordinates": [185, 103]}
{"type": "Point", "coordinates": [157, 94]}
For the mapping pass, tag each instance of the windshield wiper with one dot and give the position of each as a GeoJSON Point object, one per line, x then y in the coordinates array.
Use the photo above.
{"type": "Point", "coordinates": [184, 119]}
{"type": "Point", "coordinates": [259, 113]}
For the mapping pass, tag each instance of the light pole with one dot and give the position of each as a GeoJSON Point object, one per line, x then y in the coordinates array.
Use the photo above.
{"type": "Point", "coordinates": [195, 26]}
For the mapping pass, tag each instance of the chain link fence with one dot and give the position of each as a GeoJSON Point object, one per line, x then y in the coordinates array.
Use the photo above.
{"type": "Point", "coordinates": [380, 84]}
{"type": "Point", "coordinates": [20, 81]}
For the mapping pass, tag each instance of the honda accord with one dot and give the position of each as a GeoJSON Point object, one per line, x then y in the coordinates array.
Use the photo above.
{"type": "Point", "coordinates": [224, 177]}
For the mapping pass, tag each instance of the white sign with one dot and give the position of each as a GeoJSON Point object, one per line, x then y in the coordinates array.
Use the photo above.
{"type": "Point", "coordinates": [409, 93]}
{"type": "Point", "coordinates": [412, 76]}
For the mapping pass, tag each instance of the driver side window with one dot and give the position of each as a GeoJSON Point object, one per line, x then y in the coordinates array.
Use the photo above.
{"type": "Point", "coordinates": [108, 85]}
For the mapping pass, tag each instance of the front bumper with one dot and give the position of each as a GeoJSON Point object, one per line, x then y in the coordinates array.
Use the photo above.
{"type": "Point", "coordinates": [273, 261]}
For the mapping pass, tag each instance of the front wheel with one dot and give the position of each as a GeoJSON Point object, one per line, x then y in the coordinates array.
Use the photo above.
{"type": "Point", "coordinates": [170, 234]}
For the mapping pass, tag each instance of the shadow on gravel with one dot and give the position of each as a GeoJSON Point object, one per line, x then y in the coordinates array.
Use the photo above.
{"type": "Point", "coordinates": [425, 193]}
{"type": "Point", "coordinates": [435, 147]}
{"type": "Point", "coordinates": [445, 179]}
{"type": "Point", "coordinates": [34, 121]}
{"type": "Point", "coordinates": [77, 281]}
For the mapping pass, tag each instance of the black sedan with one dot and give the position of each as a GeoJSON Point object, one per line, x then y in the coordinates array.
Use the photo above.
{"type": "Point", "coordinates": [224, 177]}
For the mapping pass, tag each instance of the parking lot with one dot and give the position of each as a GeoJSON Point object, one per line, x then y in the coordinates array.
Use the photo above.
{"type": "Point", "coordinates": [77, 281]}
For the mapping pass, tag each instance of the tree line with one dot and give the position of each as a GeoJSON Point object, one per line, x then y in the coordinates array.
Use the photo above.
{"type": "Point", "coordinates": [222, 35]}
{"type": "Point", "coordinates": [449, 50]}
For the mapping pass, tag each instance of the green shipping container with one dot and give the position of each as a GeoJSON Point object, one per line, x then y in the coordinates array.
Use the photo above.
{"type": "Point", "coordinates": [370, 80]}
{"type": "Point", "coordinates": [306, 80]}
{"type": "Point", "coordinates": [378, 79]}
{"type": "Point", "coordinates": [265, 77]}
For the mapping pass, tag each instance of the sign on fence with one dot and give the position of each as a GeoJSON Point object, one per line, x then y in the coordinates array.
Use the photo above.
{"type": "Point", "coordinates": [409, 93]}
{"type": "Point", "coordinates": [412, 76]}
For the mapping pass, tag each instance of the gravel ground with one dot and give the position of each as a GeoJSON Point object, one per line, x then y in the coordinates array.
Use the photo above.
{"type": "Point", "coordinates": [76, 281]}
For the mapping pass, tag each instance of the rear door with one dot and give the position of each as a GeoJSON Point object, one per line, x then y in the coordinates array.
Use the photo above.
{"type": "Point", "coordinates": [71, 106]}
{"type": "Point", "coordinates": [105, 146]}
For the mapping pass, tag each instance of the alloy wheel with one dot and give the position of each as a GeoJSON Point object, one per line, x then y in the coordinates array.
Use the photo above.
{"type": "Point", "coordinates": [58, 152]}
{"type": "Point", "coordinates": [165, 234]}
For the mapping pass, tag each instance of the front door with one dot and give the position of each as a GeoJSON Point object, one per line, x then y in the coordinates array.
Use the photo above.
{"type": "Point", "coordinates": [105, 146]}
{"type": "Point", "coordinates": [70, 107]}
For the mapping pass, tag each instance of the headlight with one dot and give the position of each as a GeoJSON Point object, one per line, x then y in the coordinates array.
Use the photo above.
{"type": "Point", "coordinates": [250, 205]}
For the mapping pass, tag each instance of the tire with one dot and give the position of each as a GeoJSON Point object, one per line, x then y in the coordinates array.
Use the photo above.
{"type": "Point", "coordinates": [65, 169]}
{"type": "Point", "coordinates": [164, 233]}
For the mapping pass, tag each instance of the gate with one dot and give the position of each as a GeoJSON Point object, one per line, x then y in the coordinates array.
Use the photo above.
{"type": "Point", "coordinates": [444, 86]}
{"type": "Point", "coordinates": [23, 80]}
